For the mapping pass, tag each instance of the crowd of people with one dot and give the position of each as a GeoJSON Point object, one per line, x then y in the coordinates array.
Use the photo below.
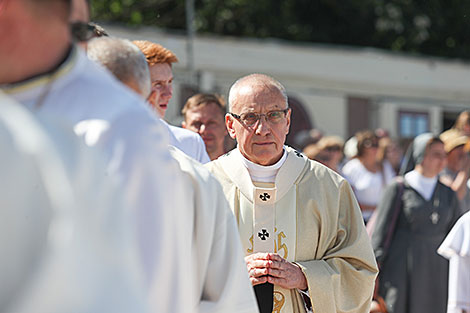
{"type": "Point", "coordinates": [108, 208]}
{"type": "Point", "coordinates": [410, 203]}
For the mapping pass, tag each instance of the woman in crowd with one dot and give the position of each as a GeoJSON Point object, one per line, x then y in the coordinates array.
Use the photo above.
{"type": "Point", "coordinates": [328, 151]}
{"type": "Point", "coordinates": [367, 176]}
{"type": "Point", "coordinates": [389, 154]}
{"type": "Point", "coordinates": [413, 217]}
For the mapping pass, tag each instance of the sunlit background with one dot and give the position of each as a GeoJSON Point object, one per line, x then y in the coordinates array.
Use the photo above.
{"type": "Point", "coordinates": [401, 65]}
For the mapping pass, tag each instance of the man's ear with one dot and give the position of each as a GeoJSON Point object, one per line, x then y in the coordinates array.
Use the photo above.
{"type": "Point", "coordinates": [288, 120]}
{"type": "Point", "coordinates": [229, 125]}
{"type": "Point", "coordinates": [183, 124]}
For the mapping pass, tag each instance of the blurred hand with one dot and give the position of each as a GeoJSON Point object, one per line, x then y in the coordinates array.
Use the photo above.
{"type": "Point", "coordinates": [272, 268]}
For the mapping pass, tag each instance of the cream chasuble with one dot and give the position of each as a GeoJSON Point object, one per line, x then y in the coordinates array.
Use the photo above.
{"type": "Point", "coordinates": [266, 216]}
{"type": "Point", "coordinates": [308, 216]}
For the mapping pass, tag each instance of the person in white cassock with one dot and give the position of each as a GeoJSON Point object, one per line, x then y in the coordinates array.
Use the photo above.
{"type": "Point", "coordinates": [299, 222]}
{"type": "Point", "coordinates": [58, 79]}
{"type": "Point", "coordinates": [65, 242]}
{"type": "Point", "coordinates": [215, 252]}
{"type": "Point", "coordinates": [160, 60]}
{"type": "Point", "coordinates": [456, 248]}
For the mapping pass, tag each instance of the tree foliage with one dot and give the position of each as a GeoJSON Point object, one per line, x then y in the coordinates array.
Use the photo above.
{"type": "Point", "coordinates": [433, 27]}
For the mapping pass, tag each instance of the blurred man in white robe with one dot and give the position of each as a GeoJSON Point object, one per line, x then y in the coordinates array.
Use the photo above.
{"type": "Point", "coordinates": [64, 238]}
{"type": "Point", "coordinates": [44, 71]}
{"type": "Point", "coordinates": [215, 252]}
{"type": "Point", "coordinates": [456, 248]}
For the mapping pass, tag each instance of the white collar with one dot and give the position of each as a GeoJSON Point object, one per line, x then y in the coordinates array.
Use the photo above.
{"type": "Point", "coordinates": [424, 185]}
{"type": "Point", "coordinates": [287, 176]}
{"type": "Point", "coordinates": [261, 173]}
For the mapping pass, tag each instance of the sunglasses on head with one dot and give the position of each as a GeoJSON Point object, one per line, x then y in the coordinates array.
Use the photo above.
{"type": "Point", "coordinates": [82, 31]}
{"type": "Point", "coordinates": [371, 144]}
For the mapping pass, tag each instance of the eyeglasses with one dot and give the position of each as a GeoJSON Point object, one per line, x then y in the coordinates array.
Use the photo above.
{"type": "Point", "coordinates": [251, 118]}
{"type": "Point", "coordinates": [82, 31]}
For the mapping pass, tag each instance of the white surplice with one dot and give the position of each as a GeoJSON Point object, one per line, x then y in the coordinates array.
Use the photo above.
{"type": "Point", "coordinates": [221, 279]}
{"type": "Point", "coordinates": [308, 216]}
{"type": "Point", "coordinates": [456, 248]}
{"type": "Point", "coordinates": [65, 242]}
{"type": "Point", "coordinates": [189, 142]}
{"type": "Point", "coordinates": [135, 143]}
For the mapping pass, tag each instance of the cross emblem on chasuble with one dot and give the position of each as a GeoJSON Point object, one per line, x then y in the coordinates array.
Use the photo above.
{"type": "Point", "coordinates": [265, 196]}
{"type": "Point", "coordinates": [262, 225]}
{"type": "Point", "coordinates": [263, 234]}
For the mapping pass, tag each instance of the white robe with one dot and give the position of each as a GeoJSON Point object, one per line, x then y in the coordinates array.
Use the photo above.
{"type": "Point", "coordinates": [66, 246]}
{"type": "Point", "coordinates": [456, 248]}
{"type": "Point", "coordinates": [308, 216]}
{"type": "Point", "coordinates": [189, 142]}
{"type": "Point", "coordinates": [221, 279]}
{"type": "Point", "coordinates": [112, 117]}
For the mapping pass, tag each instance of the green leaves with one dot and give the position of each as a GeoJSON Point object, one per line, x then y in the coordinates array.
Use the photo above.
{"type": "Point", "coordinates": [434, 27]}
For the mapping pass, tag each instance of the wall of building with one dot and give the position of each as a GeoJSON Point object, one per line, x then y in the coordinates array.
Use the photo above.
{"type": "Point", "coordinates": [333, 83]}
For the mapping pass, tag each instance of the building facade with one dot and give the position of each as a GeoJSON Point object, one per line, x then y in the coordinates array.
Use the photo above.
{"type": "Point", "coordinates": [338, 90]}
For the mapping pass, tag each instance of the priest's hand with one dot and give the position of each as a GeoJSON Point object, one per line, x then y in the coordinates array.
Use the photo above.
{"type": "Point", "coordinates": [272, 268]}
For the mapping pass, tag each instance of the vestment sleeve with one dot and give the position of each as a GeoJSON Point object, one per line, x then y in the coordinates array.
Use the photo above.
{"type": "Point", "coordinates": [151, 181]}
{"type": "Point", "coordinates": [203, 157]}
{"type": "Point", "coordinates": [226, 284]}
{"type": "Point", "coordinates": [341, 278]}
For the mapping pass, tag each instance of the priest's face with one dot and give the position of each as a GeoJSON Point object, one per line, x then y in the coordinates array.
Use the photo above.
{"type": "Point", "coordinates": [261, 142]}
{"type": "Point", "coordinates": [161, 76]}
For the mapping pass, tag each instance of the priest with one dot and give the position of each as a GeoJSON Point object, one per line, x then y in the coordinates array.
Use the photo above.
{"type": "Point", "coordinates": [59, 80]}
{"type": "Point", "coordinates": [215, 252]}
{"type": "Point", "coordinates": [301, 227]}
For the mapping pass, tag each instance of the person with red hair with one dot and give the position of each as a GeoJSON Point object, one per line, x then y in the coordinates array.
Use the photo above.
{"type": "Point", "coordinates": [160, 60]}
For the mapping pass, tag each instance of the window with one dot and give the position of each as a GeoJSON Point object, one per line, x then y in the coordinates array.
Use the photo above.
{"type": "Point", "coordinates": [412, 124]}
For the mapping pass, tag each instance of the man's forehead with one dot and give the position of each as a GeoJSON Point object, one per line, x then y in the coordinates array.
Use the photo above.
{"type": "Point", "coordinates": [161, 72]}
{"type": "Point", "coordinates": [259, 94]}
{"type": "Point", "coordinates": [245, 90]}
{"type": "Point", "coordinates": [209, 110]}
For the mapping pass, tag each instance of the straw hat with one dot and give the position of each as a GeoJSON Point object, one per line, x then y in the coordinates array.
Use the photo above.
{"type": "Point", "coordinates": [452, 139]}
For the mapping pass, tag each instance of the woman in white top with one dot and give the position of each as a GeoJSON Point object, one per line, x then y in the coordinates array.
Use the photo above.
{"type": "Point", "coordinates": [367, 176]}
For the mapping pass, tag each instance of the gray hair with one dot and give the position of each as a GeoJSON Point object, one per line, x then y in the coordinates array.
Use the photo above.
{"type": "Point", "coordinates": [123, 59]}
{"type": "Point", "coordinates": [253, 80]}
